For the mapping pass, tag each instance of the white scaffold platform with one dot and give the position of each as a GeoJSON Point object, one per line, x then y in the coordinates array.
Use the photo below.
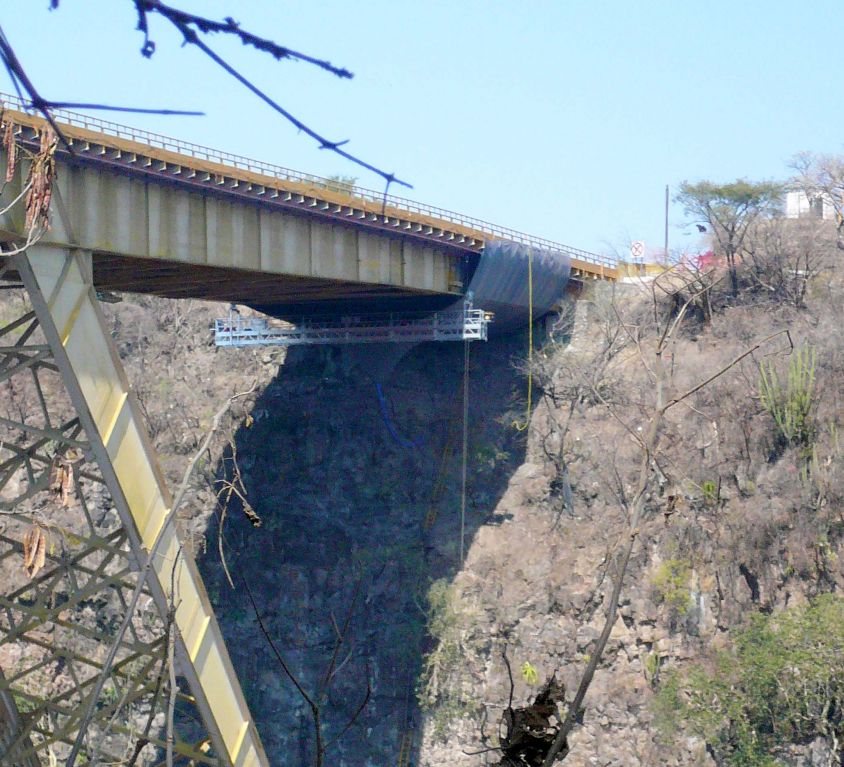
{"type": "Point", "coordinates": [466, 324]}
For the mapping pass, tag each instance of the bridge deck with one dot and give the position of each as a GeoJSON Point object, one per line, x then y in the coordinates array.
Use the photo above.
{"type": "Point", "coordinates": [395, 236]}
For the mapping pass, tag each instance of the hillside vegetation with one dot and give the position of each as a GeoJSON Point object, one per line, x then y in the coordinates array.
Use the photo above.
{"type": "Point", "coordinates": [697, 420]}
{"type": "Point", "coordinates": [737, 549]}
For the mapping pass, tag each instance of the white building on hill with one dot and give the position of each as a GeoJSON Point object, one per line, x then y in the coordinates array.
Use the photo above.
{"type": "Point", "coordinates": [799, 205]}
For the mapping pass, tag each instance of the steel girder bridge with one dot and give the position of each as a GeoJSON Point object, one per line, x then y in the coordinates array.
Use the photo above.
{"type": "Point", "coordinates": [109, 645]}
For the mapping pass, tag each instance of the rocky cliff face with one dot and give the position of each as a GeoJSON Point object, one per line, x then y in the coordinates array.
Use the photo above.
{"type": "Point", "coordinates": [351, 461]}
{"type": "Point", "coordinates": [736, 523]}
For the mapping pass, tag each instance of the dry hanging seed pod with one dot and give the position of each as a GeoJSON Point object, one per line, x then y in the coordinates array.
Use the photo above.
{"type": "Point", "coordinates": [10, 146]}
{"type": "Point", "coordinates": [42, 171]}
{"type": "Point", "coordinates": [62, 477]}
{"type": "Point", "coordinates": [250, 513]}
{"type": "Point", "coordinates": [34, 550]}
{"type": "Point", "coordinates": [67, 484]}
{"type": "Point", "coordinates": [55, 475]}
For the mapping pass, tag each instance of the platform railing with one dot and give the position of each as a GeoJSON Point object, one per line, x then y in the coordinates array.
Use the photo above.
{"type": "Point", "coordinates": [466, 324]}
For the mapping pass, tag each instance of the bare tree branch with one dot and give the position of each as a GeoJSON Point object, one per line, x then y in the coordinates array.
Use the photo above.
{"type": "Point", "coordinates": [227, 27]}
{"type": "Point", "coordinates": [324, 143]}
{"type": "Point", "coordinates": [746, 353]}
{"type": "Point", "coordinates": [315, 712]}
{"type": "Point", "coordinates": [192, 28]}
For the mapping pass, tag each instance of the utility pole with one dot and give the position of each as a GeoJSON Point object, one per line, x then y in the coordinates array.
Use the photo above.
{"type": "Point", "coordinates": [666, 225]}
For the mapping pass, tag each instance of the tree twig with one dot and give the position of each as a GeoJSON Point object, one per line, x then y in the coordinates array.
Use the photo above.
{"type": "Point", "coordinates": [324, 143]}
{"type": "Point", "coordinates": [191, 26]}
{"type": "Point", "coordinates": [731, 364]}
{"type": "Point", "coordinates": [286, 669]}
{"type": "Point", "coordinates": [227, 27]}
{"type": "Point", "coordinates": [209, 435]}
{"type": "Point", "coordinates": [510, 676]}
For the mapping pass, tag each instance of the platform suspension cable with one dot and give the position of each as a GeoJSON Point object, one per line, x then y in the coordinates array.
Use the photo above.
{"type": "Point", "coordinates": [465, 456]}
{"type": "Point", "coordinates": [522, 426]}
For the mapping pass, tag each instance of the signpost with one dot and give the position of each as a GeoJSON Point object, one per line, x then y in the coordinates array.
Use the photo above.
{"type": "Point", "coordinates": [637, 255]}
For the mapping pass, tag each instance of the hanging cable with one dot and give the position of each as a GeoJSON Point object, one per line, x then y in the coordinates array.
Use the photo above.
{"type": "Point", "coordinates": [465, 449]}
{"type": "Point", "coordinates": [516, 424]}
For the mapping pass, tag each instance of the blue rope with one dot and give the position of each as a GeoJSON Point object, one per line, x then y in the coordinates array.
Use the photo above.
{"type": "Point", "coordinates": [388, 422]}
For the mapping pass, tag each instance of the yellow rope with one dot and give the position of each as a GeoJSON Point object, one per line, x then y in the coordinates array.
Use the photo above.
{"type": "Point", "coordinates": [405, 749]}
{"type": "Point", "coordinates": [516, 424]}
{"type": "Point", "coordinates": [439, 484]}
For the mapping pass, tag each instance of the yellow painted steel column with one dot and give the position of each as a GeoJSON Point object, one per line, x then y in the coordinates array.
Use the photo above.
{"type": "Point", "coordinates": [63, 296]}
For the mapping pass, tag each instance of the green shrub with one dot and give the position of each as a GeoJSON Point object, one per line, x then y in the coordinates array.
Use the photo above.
{"type": "Point", "coordinates": [792, 404]}
{"type": "Point", "coordinates": [671, 584]}
{"type": "Point", "coordinates": [441, 690]}
{"type": "Point", "coordinates": [781, 682]}
{"type": "Point", "coordinates": [23, 704]}
{"type": "Point", "coordinates": [529, 673]}
{"type": "Point", "coordinates": [710, 491]}
{"type": "Point", "coordinates": [652, 665]}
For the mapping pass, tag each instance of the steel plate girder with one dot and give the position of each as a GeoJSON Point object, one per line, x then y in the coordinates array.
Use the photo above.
{"type": "Point", "coordinates": [143, 218]}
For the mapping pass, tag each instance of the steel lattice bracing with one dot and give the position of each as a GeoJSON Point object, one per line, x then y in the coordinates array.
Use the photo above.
{"type": "Point", "coordinates": [85, 518]}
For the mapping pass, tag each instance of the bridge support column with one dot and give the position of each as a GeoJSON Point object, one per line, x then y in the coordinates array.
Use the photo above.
{"type": "Point", "coordinates": [90, 523]}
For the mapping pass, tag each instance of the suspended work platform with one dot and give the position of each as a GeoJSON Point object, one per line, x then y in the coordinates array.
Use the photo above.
{"type": "Point", "coordinates": [464, 324]}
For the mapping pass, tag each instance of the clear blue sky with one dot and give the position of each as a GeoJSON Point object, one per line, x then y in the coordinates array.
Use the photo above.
{"type": "Point", "coordinates": [563, 119]}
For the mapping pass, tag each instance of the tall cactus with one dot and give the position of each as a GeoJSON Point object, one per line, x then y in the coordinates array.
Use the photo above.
{"type": "Point", "coordinates": [791, 406]}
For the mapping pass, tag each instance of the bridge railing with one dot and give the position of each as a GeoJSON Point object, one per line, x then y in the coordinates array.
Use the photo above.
{"type": "Point", "coordinates": [283, 174]}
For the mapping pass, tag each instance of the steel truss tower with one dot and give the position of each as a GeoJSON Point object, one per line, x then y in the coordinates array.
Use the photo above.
{"type": "Point", "coordinates": [93, 573]}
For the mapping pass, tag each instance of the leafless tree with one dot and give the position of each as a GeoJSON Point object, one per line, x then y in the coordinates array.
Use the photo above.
{"type": "Point", "coordinates": [315, 699]}
{"type": "Point", "coordinates": [785, 256]}
{"type": "Point", "coordinates": [567, 379]}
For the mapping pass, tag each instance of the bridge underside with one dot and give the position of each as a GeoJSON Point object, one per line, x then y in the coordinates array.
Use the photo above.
{"type": "Point", "coordinates": [287, 297]}
{"type": "Point", "coordinates": [173, 279]}
{"type": "Point", "coordinates": [181, 226]}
